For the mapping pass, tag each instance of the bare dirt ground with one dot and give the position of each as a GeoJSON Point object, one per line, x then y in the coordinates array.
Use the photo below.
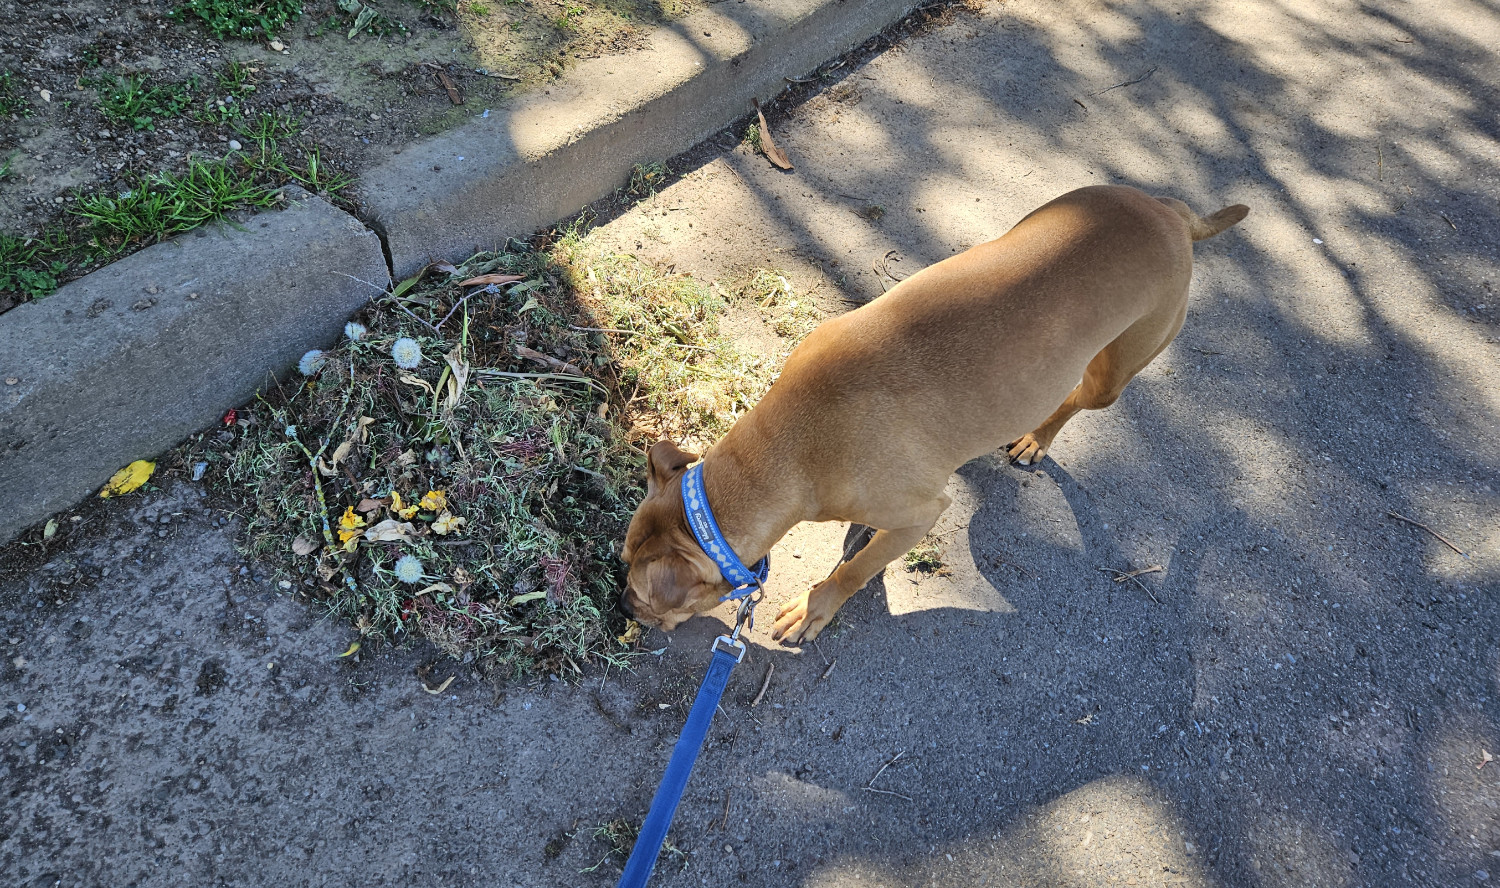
{"type": "Point", "coordinates": [1304, 695]}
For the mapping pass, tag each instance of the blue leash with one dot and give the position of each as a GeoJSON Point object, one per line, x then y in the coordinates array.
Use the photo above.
{"type": "Point", "coordinates": [664, 805]}
{"type": "Point", "coordinates": [748, 588]}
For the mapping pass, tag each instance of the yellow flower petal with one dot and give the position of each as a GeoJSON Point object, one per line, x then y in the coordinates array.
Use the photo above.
{"type": "Point", "coordinates": [435, 501]}
{"type": "Point", "coordinates": [632, 633]}
{"type": "Point", "coordinates": [350, 521]}
{"type": "Point", "coordinates": [447, 523]}
{"type": "Point", "coordinates": [128, 478]}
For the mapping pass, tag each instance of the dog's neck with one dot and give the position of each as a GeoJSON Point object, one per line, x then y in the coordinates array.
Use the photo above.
{"type": "Point", "coordinates": [753, 503]}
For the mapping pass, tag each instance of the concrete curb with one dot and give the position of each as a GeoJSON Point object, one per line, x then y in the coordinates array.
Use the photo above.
{"type": "Point", "coordinates": [554, 152]}
{"type": "Point", "coordinates": [127, 361]}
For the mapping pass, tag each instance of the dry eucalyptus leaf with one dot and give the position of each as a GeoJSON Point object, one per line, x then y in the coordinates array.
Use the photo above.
{"type": "Point", "coordinates": [773, 154]}
{"type": "Point", "coordinates": [484, 279]}
{"type": "Point", "coordinates": [303, 546]}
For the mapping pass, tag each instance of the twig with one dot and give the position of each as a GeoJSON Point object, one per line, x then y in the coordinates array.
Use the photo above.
{"type": "Point", "coordinates": [1400, 517]}
{"type": "Point", "coordinates": [1123, 575]}
{"type": "Point", "coordinates": [383, 292]}
{"type": "Point", "coordinates": [770, 668]}
{"type": "Point", "coordinates": [725, 824]}
{"type": "Point", "coordinates": [1379, 163]}
{"type": "Point", "coordinates": [1081, 105]}
{"type": "Point", "coordinates": [870, 787]}
{"type": "Point", "coordinates": [540, 376]}
{"type": "Point", "coordinates": [604, 330]}
{"type": "Point", "coordinates": [829, 671]}
{"type": "Point", "coordinates": [1449, 221]}
{"type": "Point", "coordinates": [1128, 82]}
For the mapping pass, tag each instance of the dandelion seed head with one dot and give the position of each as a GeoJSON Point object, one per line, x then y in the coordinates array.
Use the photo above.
{"type": "Point", "coordinates": [355, 331]}
{"type": "Point", "coordinates": [408, 569]}
{"type": "Point", "coordinates": [311, 362]}
{"type": "Point", "coordinates": [407, 353]}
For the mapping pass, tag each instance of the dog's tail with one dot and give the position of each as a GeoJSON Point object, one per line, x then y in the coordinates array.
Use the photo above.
{"type": "Point", "coordinates": [1202, 228]}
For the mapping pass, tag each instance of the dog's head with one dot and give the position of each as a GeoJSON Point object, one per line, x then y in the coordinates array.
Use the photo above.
{"type": "Point", "coordinates": [671, 577]}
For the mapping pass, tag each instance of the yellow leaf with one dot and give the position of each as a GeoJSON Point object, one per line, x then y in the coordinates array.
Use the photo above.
{"type": "Point", "coordinates": [435, 501]}
{"type": "Point", "coordinates": [128, 478]}
{"type": "Point", "coordinates": [632, 633]}
{"type": "Point", "coordinates": [353, 648]}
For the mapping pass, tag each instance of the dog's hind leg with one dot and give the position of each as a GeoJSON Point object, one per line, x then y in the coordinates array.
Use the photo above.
{"type": "Point", "coordinates": [1106, 377]}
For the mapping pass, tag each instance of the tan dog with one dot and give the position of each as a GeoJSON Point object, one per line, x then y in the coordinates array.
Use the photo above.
{"type": "Point", "coordinates": [875, 409]}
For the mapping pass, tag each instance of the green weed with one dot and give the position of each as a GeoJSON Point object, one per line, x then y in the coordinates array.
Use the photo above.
{"type": "Point", "coordinates": [645, 179]}
{"type": "Point", "coordinates": [32, 266]}
{"type": "Point", "coordinates": [12, 96]}
{"type": "Point", "coordinates": [752, 138]}
{"type": "Point", "coordinates": [132, 101]}
{"type": "Point", "coordinates": [242, 19]}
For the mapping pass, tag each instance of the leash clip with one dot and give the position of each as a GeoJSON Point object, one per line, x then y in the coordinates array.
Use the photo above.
{"type": "Point", "coordinates": [744, 618]}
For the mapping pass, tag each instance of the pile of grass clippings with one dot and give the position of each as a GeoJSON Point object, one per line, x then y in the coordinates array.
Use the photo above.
{"type": "Point", "coordinates": [462, 465]}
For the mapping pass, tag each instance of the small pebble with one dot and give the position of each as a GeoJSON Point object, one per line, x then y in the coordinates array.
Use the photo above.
{"type": "Point", "coordinates": [1317, 240]}
{"type": "Point", "coordinates": [234, 145]}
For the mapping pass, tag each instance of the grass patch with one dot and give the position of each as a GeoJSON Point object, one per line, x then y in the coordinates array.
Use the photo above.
{"type": "Point", "coordinates": [242, 19]}
{"type": "Point", "coordinates": [927, 557]}
{"type": "Point", "coordinates": [645, 178]}
{"type": "Point", "coordinates": [161, 205]}
{"type": "Point", "coordinates": [133, 101]}
{"type": "Point", "coordinates": [790, 315]}
{"type": "Point", "coordinates": [475, 497]}
{"type": "Point", "coordinates": [12, 96]}
{"type": "Point", "coordinates": [619, 836]}
{"type": "Point", "coordinates": [155, 206]}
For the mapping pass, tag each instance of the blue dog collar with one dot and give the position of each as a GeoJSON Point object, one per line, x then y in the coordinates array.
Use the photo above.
{"type": "Point", "coordinates": [744, 580]}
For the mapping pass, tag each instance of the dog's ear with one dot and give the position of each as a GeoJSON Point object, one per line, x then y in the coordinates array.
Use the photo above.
{"type": "Point", "coordinates": [665, 462]}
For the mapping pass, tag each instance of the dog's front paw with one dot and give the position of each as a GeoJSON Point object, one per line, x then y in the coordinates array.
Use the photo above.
{"type": "Point", "coordinates": [1028, 450]}
{"type": "Point", "coordinates": [799, 620]}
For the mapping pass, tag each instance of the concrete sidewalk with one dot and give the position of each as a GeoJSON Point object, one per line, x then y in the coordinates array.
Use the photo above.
{"type": "Point", "coordinates": [1302, 697]}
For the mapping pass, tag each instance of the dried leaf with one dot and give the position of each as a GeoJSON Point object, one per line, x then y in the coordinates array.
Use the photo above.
{"type": "Point", "coordinates": [460, 377]}
{"type": "Point", "coordinates": [390, 531]}
{"type": "Point", "coordinates": [341, 453]}
{"type": "Point", "coordinates": [50, 530]}
{"type": "Point", "coordinates": [767, 146]}
{"type": "Point", "coordinates": [440, 688]}
{"type": "Point", "coordinates": [303, 546]}
{"type": "Point", "coordinates": [435, 587]}
{"type": "Point", "coordinates": [447, 523]}
{"type": "Point", "coordinates": [529, 596]}
{"type": "Point", "coordinates": [413, 380]}
{"type": "Point", "coordinates": [368, 505]}
{"type": "Point", "coordinates": [454, 95]}
{"type": "Point", "coordinates": [632, 633]}
{"type": "Point", "coordinates": [406, 458]}
{"type": "Point", "coordinates": [485, 279]}
{"type": "Point", "coordinates": [128, 479]}
{"type": "Point", "coordinates": [1484, 759]}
